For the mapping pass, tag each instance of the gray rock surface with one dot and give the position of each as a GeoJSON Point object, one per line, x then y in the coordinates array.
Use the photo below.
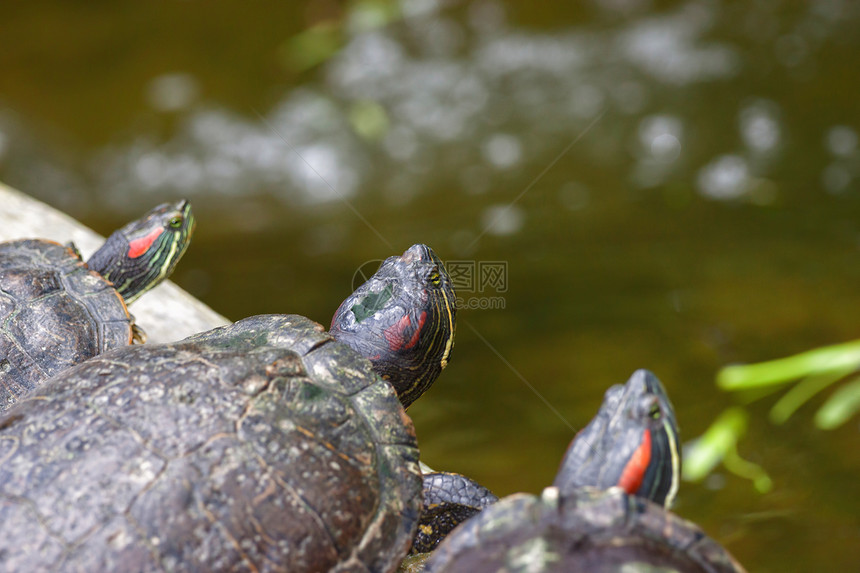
{"type": "Point", "coordinates": [167, 312]}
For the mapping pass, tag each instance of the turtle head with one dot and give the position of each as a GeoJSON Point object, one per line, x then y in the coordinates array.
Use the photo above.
{"type": "Point", "coordinates": [402, 320]}
{"type": "Point", "coordinates": [140, 255]}
{"type": "Point", "coordinates": [632, 443]}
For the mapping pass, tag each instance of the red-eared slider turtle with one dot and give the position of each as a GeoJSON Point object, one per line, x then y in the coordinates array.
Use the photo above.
{"type": "Point", "coordinates": [266, 445]}
{"type": "Point", "coordinates": [416, 326]}
{"type": "Point", "coordinates": [56, 310]}
{"type": "Point", "coordinates": [631, 443]}
{"type": "Point", "coordinates": [577, 527]}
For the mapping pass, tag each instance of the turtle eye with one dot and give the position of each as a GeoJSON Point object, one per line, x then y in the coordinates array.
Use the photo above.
{"type": "Point", "coordinates": [175, 222]}
{"type": "Point", "coordinates": [654, 411]}
{"type": "Point", "coordinates": [434, 277]}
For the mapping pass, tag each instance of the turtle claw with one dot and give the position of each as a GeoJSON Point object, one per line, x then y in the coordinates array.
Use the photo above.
{"type": "Point", "coordinates": [74, 248]}
{"type": "Point", "coordinates": [138, 335]}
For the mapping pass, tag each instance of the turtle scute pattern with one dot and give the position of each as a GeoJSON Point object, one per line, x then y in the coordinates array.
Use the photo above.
{"type": "Point", "coordinates": [54, 312]}
{"type": "Point", "coordinates": [260, 446]}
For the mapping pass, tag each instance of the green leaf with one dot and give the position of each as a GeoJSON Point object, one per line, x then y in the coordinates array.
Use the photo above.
{"type": "Point", "coordinates": [719, 443]}
{"type": "Point", "coordinates": [369, 119]}
{"type": "Point", "coordinates": [843, 404]}
{"type": "Point", "coordinates": [708, 450]}
{"type": "Point", "coordinates": [803, 392]}
{"type": "Point", "coordinates": [367, 15]}
{"type": "Point", "coordinates": [311, 47]}
{"type": "Point", "coordinates": [823, 360]}
{"type": "Point", "coordinates": [747, 469]}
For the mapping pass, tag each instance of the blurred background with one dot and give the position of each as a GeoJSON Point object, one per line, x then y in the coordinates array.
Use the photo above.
{"type": "Point", "coordinates": [622, 184]}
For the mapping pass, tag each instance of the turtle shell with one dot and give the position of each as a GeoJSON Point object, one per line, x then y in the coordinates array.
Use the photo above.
{"type": "Point", "coordinates": [265, 445]}
{"type": "Point", "coordinates": [54, 312]}
{"type": "Point", "coordinates": [591, 530]}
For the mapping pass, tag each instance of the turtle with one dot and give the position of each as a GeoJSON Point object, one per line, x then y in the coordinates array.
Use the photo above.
{"type": "Point", "coordinates": [631, 443]}
{"type": "Point", "coordinates": [607, 510]}
{"type": "Point", "coordinates": [264, 445]}
{"type": "Point", "coordinates": [56, 310]}
{"type": "Point", "coordinates": [417, 335]}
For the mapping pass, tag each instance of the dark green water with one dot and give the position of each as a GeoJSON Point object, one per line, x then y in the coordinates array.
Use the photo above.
{"type": "Point", "coordinates": [675, 186]}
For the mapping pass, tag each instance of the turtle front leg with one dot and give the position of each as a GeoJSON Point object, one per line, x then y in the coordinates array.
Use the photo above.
{"type": "Point", "coordinates": [449, 499]}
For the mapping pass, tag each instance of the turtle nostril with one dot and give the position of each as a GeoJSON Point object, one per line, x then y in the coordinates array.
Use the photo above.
{"type": "Point", "coordinates": [416, 252]}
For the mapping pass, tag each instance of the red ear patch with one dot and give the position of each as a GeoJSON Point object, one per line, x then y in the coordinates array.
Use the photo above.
{"type": "Point", "coordinates": [634, 471]}
{"type": "Point", "coordinates": [400, 335]}
{"type": "Point", "coordinates": [139, 246]}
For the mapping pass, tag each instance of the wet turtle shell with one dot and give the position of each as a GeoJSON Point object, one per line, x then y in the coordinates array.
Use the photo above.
{"type": "Point", "coordinates": [589, 530]}
{"type": "Point", "coordinates": [54, 312]}
{"type": "Point", "coordinates": [265, 445]}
